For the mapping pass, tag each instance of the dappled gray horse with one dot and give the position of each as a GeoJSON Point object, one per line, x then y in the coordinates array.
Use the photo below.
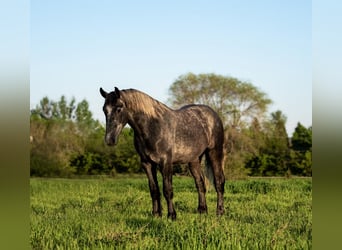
{"type": "Point", "coordinates": [163, 136]}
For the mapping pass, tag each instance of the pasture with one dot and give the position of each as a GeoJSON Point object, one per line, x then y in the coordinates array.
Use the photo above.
{"type": "Point", "coordinates": [116, 214]}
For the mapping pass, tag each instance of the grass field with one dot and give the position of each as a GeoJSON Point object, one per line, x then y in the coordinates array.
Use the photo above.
{"type": "Point", "coordinates": [116, 214]}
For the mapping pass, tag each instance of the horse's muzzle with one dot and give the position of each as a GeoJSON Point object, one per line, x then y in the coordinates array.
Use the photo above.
{"type": "Point", "coordinates": [111, 140]}
{"type": "Point", "coordinates": [112, 134]}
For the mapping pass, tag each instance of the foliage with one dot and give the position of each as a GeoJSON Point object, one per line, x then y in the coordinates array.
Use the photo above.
{"type": "Point", "coordinates": [272, 156]}
{"type": "Point", "coordinates": [302, 138]}
{"type": "Point", "coordinates": [115, 213]}
{"type": "Point", "coordinates": [125, 156]}
{"type": "Point", "coordinates": [237, 102]}
{"type": "Point", "coordinates": [301, 151]}
{"type": "Point", "coordinates": [52, 144]}
{"type": "Point", "coordinates": [67, 141]}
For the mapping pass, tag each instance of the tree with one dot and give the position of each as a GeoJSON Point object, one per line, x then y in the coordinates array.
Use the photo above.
{"type": "Point", "coordinates": [67, 141]}
{"type": "Point", "coordinates": [301, 151]}
{"type": "Point", "coordinates": [83, 115]}
{"type": "Point", "coordinates": [51, 110]}
{"type": "Point", "coordinates": [278, 143]}
{"type": "Point", "coordinates": [273, 154]}
{"type": "Point", "coordinates": [302, 138]}
{"type": "Point", "coordinates": [237, 102]}
{"type": "Point", "coordinates": [56, 137]}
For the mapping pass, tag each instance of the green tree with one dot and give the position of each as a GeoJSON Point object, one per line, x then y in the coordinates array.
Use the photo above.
{"type": "Point", "coordinates": [236, 101]}
{"type": "Point", "coordinates": [301, 151]}
{"type": "Point", "coordinates": [56, 137]}
{"type": "Point", "coordinates": [67, 141]}
{"type": "Point", "coordinates": [302, 138]}
{"type": "Point", "coordinates": [83, 115]}
{"type": "Point", "coordinates": [278, 143]}
{"type": "Point", "coordinates": [273, 154]}
{"type": "Point", "coordinates": [53, 142]}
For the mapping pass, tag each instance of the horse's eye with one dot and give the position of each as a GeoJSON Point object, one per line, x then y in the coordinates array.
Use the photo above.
{"type": "Point", "coordinates": [118, 109]}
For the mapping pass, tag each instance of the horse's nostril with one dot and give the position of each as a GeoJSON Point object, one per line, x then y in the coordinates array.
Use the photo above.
{"type": "Point", "coordinates": [111, 140]}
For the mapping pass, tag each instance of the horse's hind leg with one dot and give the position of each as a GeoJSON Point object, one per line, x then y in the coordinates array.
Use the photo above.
{"type": "Point", "coordinates": [195, 169]}
{"type": "Point", "coordinates": [214, 158]}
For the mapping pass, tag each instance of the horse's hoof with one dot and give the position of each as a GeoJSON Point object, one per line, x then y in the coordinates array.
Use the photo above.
{"type": "Point", "coordinates": [157, 214]}
{"type": "Point", "coordinates": [172, 216]}
{"type": "Point", "coordinates": [202, 210]}
{"type": "Point", "coordinates": [220, 212]}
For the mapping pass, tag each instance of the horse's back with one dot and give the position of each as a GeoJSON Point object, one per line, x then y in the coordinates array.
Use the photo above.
{"type": "Point", "coordinates": [205, 115]}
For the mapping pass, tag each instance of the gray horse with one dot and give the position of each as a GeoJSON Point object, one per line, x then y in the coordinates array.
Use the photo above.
{"type": "Point", "coordinates": [163, 136]}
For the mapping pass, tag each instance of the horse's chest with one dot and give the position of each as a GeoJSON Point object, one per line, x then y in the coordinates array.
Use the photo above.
{"type": "Point", "coordinates": [154, 149]}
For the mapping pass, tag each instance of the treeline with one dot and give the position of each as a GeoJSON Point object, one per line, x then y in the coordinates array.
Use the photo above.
{"type": "Point", "coordinates": [66, 140]}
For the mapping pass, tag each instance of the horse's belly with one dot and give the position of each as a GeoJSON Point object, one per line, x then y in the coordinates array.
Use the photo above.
{"type": "Point", "coordinates": [187, 153]}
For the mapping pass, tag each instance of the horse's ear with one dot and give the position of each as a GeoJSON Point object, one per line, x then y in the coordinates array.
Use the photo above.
{"type": "Point", "coordinates": [103, 93]}
{"type": "Point", "coordinates": [117, 92]}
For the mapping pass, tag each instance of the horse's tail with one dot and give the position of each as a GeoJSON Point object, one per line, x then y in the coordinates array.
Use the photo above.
{"type": "Point", "coordinates": [214, 158]}
{"type": "Point", "coordinates": [209, 174]}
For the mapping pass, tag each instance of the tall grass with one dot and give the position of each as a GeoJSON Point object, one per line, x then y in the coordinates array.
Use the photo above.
{"type": "Point", "coordinates": [115, 214]}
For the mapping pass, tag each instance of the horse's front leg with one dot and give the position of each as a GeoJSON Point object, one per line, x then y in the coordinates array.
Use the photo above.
{"type": "Point", "coordinates": [151, 172]}
{"type": "Point", "coordinates": [166, 170]}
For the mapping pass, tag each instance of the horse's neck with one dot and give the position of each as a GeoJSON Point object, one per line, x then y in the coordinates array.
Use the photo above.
{"type": "Point", "coordinates": [144, 110]}
{"type": "Point", "coordinates": [137, 120]}
{"type": "Point", "coordinates": [139, 124]}
{"type": "Point", "coordinates": [142, 122]}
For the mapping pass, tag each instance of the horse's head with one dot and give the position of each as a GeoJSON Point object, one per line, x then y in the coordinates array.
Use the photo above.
{"type": "Point", "coordinates": [116, 115]}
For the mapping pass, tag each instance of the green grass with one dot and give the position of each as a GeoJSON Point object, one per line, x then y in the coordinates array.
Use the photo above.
{"type": "Point", "coordinates": [116, 214]}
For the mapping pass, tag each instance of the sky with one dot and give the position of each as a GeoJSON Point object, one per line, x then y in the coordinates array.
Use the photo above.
{"type": "Point", "coordinates": [76, 47]}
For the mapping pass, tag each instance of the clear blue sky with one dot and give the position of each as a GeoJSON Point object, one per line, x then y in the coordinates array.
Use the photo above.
{"type": "Point", "coordinates": [78, 46]}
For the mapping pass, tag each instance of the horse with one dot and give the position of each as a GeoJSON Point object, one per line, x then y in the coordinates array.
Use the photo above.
{"type": "Point", "coordinates": [163, 137]}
